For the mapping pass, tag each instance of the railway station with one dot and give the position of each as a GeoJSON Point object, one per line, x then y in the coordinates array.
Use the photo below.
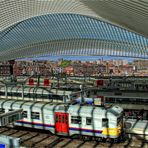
{"type": "Point", "coordinates": [73, 73]}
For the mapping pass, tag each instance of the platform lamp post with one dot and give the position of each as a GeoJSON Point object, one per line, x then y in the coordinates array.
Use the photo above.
{"type": "Point", "coordinates": [57, 76]}
{"type": "Point", "coordinates": [11, 62]}
{"type": "Point", "coordinates": [6, 91]}
{"type": "Point", "coordinates": [22, 91]}
{"type": "Point", "coordinates": [82, 95]}
{"type": "Point", "coordinates": [65, 76]}
{"type": "Point", "coordinates": [38, 81]}
{"type": "Point", "coordinates": [58, 79]}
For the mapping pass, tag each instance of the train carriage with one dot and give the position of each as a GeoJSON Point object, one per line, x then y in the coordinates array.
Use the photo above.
{"type": "Point", "coordinates": [36, 94]}
{"type": "Point", "coordinates": [68, 120]}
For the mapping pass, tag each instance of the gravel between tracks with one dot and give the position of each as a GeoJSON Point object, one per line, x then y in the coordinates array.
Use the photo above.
{"type": "Point", "coordinates": [40, 139]}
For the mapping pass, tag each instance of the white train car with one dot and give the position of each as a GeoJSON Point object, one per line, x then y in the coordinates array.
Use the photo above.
{"type": "Point", "coordinates": [36, 94]}
{"type": "Point", "coordinates": [68, 120]}
{"type": "Point", "coordinates": [137, 128]}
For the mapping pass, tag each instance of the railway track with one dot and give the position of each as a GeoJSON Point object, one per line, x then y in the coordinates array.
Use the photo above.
{"type": "Point", "coordinates": [32, 138]}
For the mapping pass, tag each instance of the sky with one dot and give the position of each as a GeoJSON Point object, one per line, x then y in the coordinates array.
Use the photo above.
{"type": "Point", "coordinates": [82, 58]}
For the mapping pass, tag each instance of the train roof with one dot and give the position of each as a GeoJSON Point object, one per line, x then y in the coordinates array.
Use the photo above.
{"type": "Point", "coordinates": [36, 90]}
{"type": "Point", "coordinates": [134, 106]}
{"type": "Point", "coordinates": [61, 92]}
{"type": "Point", "coordinates": [76, 109]}
{"type": "Point", "coordinates": [27, 89]}
{"type": "Point", "coordinates": [89, 110]}
{"type": "Point", "coordinates": [86, 110]}
{"type": "Point", "coordinates": [9, 103]}
{"type": "Point", "coordinates": [30, 104]}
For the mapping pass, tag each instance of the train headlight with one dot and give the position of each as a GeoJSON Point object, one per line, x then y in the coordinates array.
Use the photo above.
{"type": "Point", "coordinates": [119, 128]}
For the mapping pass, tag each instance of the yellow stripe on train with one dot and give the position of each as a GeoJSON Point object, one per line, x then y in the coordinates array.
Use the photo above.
{"type": "Point", "coordinates": [111, 131]}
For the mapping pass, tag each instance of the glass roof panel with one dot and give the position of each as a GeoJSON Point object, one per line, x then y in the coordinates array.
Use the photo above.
{"type": "Point", "coordinates": [58, 27]}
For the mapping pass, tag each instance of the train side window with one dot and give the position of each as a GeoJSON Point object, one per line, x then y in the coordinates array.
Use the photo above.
{"type": "Point", "coordinates": [9, 94]}
{"type": "Point", "coordinates": [38, 95]}
{"type": "Point", "coordinates": [2, 93]}
{"type": "Point", "coordinates": [31, 95]}
{"type": "Point", "coordinates": [95, 92]}
{"type": "Point", "coordinates": [104, 122]}
{"type": "Point", "coordinates": [26, 95]}
{"type": "Point", "coordinates": [118, 93]}
{"type": "Point", "coordinates": [4, 121]}
{"type": "Point", "coordinates": [2, 110]}
{"type": "Point", "coordinates": [88, 121]}
{"type": "Point", "coordinates": [35, 115]}
{"type": "Point", "coordinates": [11, 110]}
{"type": "Point", "coordinates": [13, 94]}
{"type": "Point", "coordinates": [44, 96]}
{"type": "Point", "coordinates": [76, 119]}
{"type": "Point", "coordinates": [17, 94]}
{"type": "Point", "coordinates": [24, 114]}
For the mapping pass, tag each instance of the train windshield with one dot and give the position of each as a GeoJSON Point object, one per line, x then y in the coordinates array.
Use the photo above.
{"type": "Point", "coordinates": [113, 112]}
{"type": "Point", "coordinates": [119, 119]}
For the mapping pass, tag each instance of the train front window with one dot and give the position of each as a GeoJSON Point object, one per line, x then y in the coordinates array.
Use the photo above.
{"type": "Point", "coordinates": [119, 120]}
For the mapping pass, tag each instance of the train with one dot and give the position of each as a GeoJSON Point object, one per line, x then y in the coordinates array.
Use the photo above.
{"type": "Point", "coordinates": [132, 108]}
{"type": "Point", "coordinates": [135, 116]}
{"type": "Point", "coordinates": [139, 104]}
{"type": "Point", "coordinates": [122, 84]}
{"type": "Point", "coordinates": [69, 119]}
{"type": "Point", "coordinates": [36, 93]}
{"type": "Point", "coordinates": [137, 128]}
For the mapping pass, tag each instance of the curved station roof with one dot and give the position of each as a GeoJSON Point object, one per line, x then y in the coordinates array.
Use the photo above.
{"type": "Point", "coordinates": [73, 27]}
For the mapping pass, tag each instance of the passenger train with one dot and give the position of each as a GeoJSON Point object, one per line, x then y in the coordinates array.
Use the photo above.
{"type": "Point", "coordinates": [132, 109]}
{"type": "Point", "coordinates": [125, 99]}
{"type": "Point", "coordinates": [69, 119]}
{"type": "Point", "coordinates": [123, 84]}
{"type": "Point", "coordinates": [36, 94]}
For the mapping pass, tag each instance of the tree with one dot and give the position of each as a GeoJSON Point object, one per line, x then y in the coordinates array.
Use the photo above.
{"type": "Point", "coordinates": [65, 63]}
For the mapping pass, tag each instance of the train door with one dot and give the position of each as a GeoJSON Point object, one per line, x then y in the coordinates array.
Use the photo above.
{"type": "Point", "coordinates": [61, 123]}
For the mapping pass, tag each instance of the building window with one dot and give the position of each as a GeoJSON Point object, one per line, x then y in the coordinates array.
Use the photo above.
{"type": "Point", "coordinates": [104, 122]}
{"type": "Point", "coordinates": [24, 114]}
{"type": "Point", "coordinates": [35, 115]}
{"type": "Point", "coordinates": [88, 121]}
{"type": "Point", "coordinates": [76, 119]}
